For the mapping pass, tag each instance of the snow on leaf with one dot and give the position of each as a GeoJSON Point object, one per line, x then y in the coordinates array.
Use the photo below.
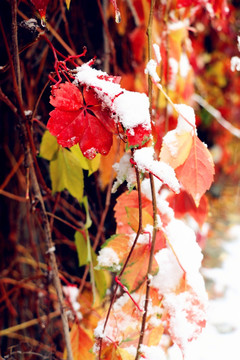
{"type": "Point", "coordinates": [66, 173]}
{"type": "Point", "coordinates": [114, 252]}
{"type": "Point", "coordinates": [196, 173]}
{"type": "Point", "coordinates": [186, 317]}
{"type": "Point", "coordinates": [176, 148]}
{"type": "Point", "coordinates": [145, 162]}
{"type": "Point", "coordinates": [78, 117]}
{"type": "Point", "coordinates": [128, 108]}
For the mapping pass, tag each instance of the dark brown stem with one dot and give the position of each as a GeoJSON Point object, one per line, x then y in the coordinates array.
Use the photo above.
{"type": "Point", "coordinates": [15, 50]}
{"type": "Point", "coordinates": [110, 41]}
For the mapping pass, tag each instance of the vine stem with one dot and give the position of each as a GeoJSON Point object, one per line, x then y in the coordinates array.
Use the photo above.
{"type": "Point", "coordinates": [25, 136]}
{"type": "Point", "coordinates": [144, 317]}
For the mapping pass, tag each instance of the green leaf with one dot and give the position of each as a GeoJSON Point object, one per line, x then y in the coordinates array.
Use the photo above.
{"type": "Point", "coordinates": [88, 218]}
{"type": "Point", "coordinates": [90, 165]}
{"type": "Point", "coordinates": [83, 248]}
{"type": "Point", "coordinates": [49, 146]}
{"type": "Point", "coordinates": [66, 173]}
{"type": "Point", "coordinates": [102, 278]}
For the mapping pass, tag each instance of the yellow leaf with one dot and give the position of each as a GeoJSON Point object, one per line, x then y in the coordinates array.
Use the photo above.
{"type": "Point", "coordinates": [68, 3]}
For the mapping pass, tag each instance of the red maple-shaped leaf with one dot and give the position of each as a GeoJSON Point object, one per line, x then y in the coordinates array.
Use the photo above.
{"type": "Point", "coordinates": [79, 117]}
{"type": "Point", "coordinates": [196, 173]}
{"type": "Point", "coordinates": [41, 6]}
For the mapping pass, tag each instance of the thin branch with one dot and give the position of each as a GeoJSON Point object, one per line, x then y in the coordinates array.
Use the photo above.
{"type": "Point", "coordinates": [144, 318]}
{"type": "Point", "coordinates": [29, 323]}
{"type": "Point", "coordinates": [15, 50]}
{"type": "Point", "coordinates": [217, 115]}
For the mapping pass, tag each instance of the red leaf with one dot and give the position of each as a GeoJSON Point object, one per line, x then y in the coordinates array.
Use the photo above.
{"type": "Point", "coordinates": [183, 204]}
{"type": "Point", "coordinates": [138, 136]}
{"type": "Point", "coordinates": [41, 6]}
{"type": "Point", "coordinates": [196, 173]}
{"type": "Point", "coordinates": [78, 117]}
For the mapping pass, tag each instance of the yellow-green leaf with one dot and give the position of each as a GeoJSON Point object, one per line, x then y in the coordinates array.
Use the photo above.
{"type": "Point", "coordinates": [66, 173]}
{"type": "Point", "coordinates": [90, 165]}
{"type": "Point", "coordinates": [83, 248]}
{"type": "Point", "coordinates": [49, 146]}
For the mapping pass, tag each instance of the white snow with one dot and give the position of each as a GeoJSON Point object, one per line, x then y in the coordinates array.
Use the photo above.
{"type": "Point", "coordinates": [220, 339]}
{"type": "Point", "coordinates": [184, 65]}
{"type": "Point", "coordinates": [71, 293]}
{"type": "Point", "coordinates": [145, 162]}
{"type": "Point", "coordinates": [151, 70]}
{"type": "Point", "coordinates": [108, 258]}
{"type": "Point", "coordinates": [235, 63]}
{"type": "Point", "coordinates": [186, 119]}
{"type": "Point", "coordinates": [124, 171]}
{"type": "Point", "coordinates": [183, 241]}
{"type": "Point", "coordinates": [128, 107]}
{"type": "Point", "coordinates": [169, 274]}
{"type": "Point", "coordinates": [152, 353]}
{"type": "Point", "coordinates": [156, 49]}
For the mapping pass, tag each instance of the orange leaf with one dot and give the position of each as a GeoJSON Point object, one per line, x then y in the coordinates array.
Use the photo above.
{"type": "Point", "coordinates": [81, 344]}
{"type": "Point", "coordinates": [196, 173]}
{"type": "Point", "coordinates": [106, 163]}
{"type": "Point", "coordinates": [175, 151]}
{"type": "Point", "coordinates": [136, 271]}
{"type": "Point", "coordinates": [130, 201]}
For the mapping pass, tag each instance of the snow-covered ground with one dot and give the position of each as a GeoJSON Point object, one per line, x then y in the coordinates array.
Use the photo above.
{"type": "Point", "coordinates": [221, 338]}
